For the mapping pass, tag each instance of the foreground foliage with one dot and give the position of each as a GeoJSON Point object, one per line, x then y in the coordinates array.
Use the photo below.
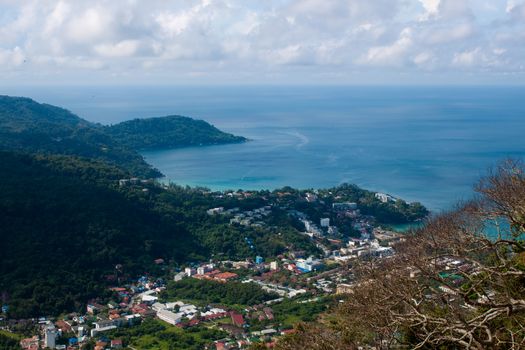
{"type": "Point", "coordinates": [457, 283]}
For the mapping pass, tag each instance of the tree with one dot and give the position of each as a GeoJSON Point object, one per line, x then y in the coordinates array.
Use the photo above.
{"type": "Point", "coordinates": [459, 282]}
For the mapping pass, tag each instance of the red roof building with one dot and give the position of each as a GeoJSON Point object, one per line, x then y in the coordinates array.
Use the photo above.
{"type": "Point", "coordinates": [237, 319]}
{"type": "Point", "coordinates": [63, 325]}
{"type": "Point", "coordinates": [225, 276]}
{"type": "Point", "coordinates": [116, 343]}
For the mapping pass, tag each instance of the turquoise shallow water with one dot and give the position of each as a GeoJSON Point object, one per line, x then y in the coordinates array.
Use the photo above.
{"type": "Point", "coordinates": [419, 143]}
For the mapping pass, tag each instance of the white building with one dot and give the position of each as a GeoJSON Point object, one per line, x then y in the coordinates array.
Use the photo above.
{"type": "Point", "coordinates": [273, 266]}
{"type": "Point", "coordinates": [103, 326]}
{"type": "Point", "coordinates": [189, 271]}
{"type": "Point", "coordinates": [81, 331]}
{"type": "Point", "coordinates": [179, 276]}
{"type": "Point", "coordinates": [308, 264]}
{"type": "Point", "coordinates": [50, 337]}
{"type": "Point", "coordinates": [168, 316]}
{"type": "Point", "coordinates": [310, 197]}
{"type": "Point", "coordinates": [214, 211]}
{"type": "Point", "coordinates": [325, 222]}
{"type": "Point", "coordinates": [385, 198]}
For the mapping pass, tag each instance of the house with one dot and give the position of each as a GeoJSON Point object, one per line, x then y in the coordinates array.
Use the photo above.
{"type": "Point", "coordinates": [116, 344]}
{"type": "Point", "coordinates": [189, 271]}
{"type": "Point", "coordinates": [63, 326]}
{"type": "Point", "coordinates": [30, 343]}
{"type": "Point", "coordinates": [94, 308]}
{"type": "Point", "coordinates": [221, 345]}
{"type": "Point", "coordinates": [214, 211]}
{"type": "Point", "coordinates": [179, 276]}
{"type": "Point", "coordinates": [237, 319]}
{"type": "Point", "coordinates": [384, 198]}
{"type": "Point", "coordinates": [225, 276]}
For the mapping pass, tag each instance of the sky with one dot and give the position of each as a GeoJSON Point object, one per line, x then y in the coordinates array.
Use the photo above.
{"type": "Point", "coordinates": [262, 42]}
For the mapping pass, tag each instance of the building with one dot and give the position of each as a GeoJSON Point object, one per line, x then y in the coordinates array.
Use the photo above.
{"type": "Point", "coordinates": [94, 308]}
{"type": "Point", "coordinates": [179, 276]}
{"type": "Point", "coordinates": [325, 222]}
{"type": "Point", "coordinates": [237, 319]}
{"type": "Point", "coordinates": [103, 326]}
{"type": "Point", "coordinates": [310, 197]}
{"type": "Point", "coordinates": [225, 276]}
{"type": "Point", "coordinates": [385, 198]}
{"type": "Point", "coordinates": [344, 206]}
{"type": "Point", "coordinates": [116, 344]}
{"type": "Point", "coordinates": [259, 260]}
{"type": "Point", "coordinates": [344, 288]}
{"type": "Point", "coordinates": [274, 266]}
{"type": "Point", "coordinates": [30, 343]}
{"type": "Point", "coordinates": [308, 265]}
{"type": "Point", "coordinates": [214, 211]}
{"type": "Point", "coordinates": [50, 336]}
{"type": "Point", "coordinates": [189, 271]}
{"type": "Point", "coordinates": [168, 316]}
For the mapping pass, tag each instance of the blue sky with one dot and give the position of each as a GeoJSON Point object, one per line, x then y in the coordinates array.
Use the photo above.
{"type": "Point", "coordinates": [260, 42]}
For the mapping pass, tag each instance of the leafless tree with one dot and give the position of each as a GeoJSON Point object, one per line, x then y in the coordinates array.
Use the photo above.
{"type": "Point", "coordinates": [459, 282]}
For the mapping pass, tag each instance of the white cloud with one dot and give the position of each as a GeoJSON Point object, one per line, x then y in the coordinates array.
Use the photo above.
{"type": "Point", "coordinates": [431, 8]}
{"type": "Point", "coordinates": [393, 54]}
{"type": "Point", "coordinates": [123, 48]}
{"type": "Point", "coordinates": [423, 58]}
{"type": "Point", "coordinates": [245, 38]}
{"type": "Point", "coordinates": [12, 58]}
{"type": "Point", "coordinates": [467, 58]}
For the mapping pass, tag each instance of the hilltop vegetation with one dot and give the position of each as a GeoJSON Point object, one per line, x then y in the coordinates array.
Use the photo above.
{"type": "Point", "coordinates": [169, 132]}
{"type": "Point", "coordinates": [66, 223]}
{"type": "Point", "coordinates": [61, 232]}
{"type": "Point", "coordinates": [26, 125]}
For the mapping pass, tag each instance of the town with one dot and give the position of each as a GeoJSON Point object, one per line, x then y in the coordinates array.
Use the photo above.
{"type": "Point", "coordinates": [241, 302]}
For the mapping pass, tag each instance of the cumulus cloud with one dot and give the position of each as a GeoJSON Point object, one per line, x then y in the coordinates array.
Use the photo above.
{"type": "Point", "coordinates": [248, 37]}
{"type": "Point", "coordinates": [392, 54]}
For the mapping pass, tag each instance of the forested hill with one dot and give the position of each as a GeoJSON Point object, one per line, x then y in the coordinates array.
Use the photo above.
{"type": "Point", "coordinates": [32, 127]}
{"type": "Point", "coordinates": [169, 132]}
{"type": "Point", "coordinates": [66, 223]}
{"type": "Point", "coordinates": [63, 227]}
{"type": "Point", "coordinates": [26, 125]}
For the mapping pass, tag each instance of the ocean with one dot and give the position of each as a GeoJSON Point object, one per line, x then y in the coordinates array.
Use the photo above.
{"type": "Point", "coordinates": [427, 144]}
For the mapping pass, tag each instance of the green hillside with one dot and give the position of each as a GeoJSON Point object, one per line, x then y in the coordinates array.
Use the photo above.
{"type": "Point", "coordinates": [66, 223]}
{"type": "Point", "coordinates": [26, 125]}
{"type": "Point", "coordinates": [64, 228]}
{"type": "Point", "coordinates": [169, 132]}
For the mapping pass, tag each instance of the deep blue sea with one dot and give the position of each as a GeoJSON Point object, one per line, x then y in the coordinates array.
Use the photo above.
{"type": "Point", "coordinates": [428, 144]}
